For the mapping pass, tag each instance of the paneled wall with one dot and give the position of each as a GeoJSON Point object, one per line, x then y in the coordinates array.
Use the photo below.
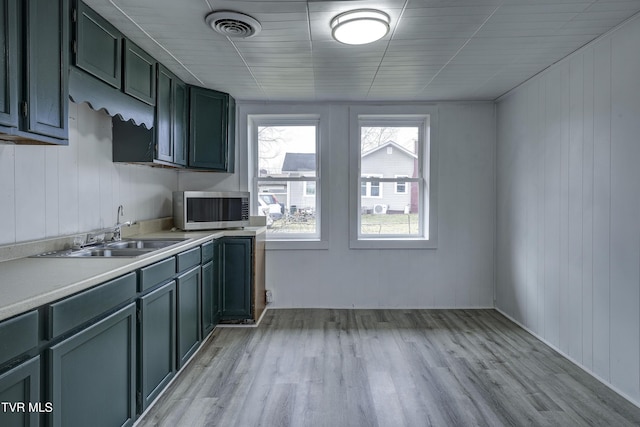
{"type": "Point", "coordinates": [568, 210]}
{"type": "Point", "coordinates": [459, 273]}
{"type": "Point", "coordinates": [48, 191]}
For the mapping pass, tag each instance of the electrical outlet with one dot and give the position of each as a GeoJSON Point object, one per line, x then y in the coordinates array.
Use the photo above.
{"type": "Point", "coordinates": [269, 296]}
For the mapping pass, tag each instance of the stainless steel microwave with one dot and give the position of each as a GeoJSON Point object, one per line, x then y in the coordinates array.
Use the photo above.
{"type": "Point", "coordinates": [208, 210]}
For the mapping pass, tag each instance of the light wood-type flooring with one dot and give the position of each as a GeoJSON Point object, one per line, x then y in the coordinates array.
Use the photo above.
{"type": "Point", "coordinates": [384, 368]}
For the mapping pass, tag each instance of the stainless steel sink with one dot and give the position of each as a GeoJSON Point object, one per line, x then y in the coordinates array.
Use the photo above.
{"type": "Point", "coordinates": [130, 248]}
{"type": "Point", "coordinates": [108, 252]}
{"type": "Point", "coordinates": [143, 244]}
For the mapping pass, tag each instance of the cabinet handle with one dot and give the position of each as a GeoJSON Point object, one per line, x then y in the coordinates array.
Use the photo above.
{"type": "Point", "coordinates": [24, 108]}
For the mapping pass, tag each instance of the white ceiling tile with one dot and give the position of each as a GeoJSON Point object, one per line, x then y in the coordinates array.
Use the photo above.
{"type": "Point", "coordinates": [436, 50]}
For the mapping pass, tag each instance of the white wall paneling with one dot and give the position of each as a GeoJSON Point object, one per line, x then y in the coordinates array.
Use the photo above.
{"type": "Point", "coordinates": [459, 273]}
{"type": "Point", "coordinates": [568, 207]}
{"type": "Point", "coordinates": [48, 191]}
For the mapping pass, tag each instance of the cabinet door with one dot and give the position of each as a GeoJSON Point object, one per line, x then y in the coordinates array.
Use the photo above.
{"type": "Point", "coordinates": [8, 63]}
{"type": "Point", "coordinates": [210, 297]}
{"type": "Point", "coordinates": [48, 67]}
{"type": "Point", "coordinates": [22, 385]}
{"type": "Point", "coordinates": [164, 121]}
{"type": "Point", "coordinates": [231, 136]}
{"type": "Point", "coordinates": [236, 278]}
{"type": "Point", "coordinates": [92, 374]}
{"type": "Point", "coordinates": [171, 118]}
{"type": "Point", "coordinates": [208, 120]}
{"type": "Point", "coordinates": [139, 73]}
{"type": "Point", "coordinates": [157, 338]}
{"type": "Point", "coordinates": [180, 122]}
{"type": "Point", "coordinates": [188, 285]}
{"type": "Point", "coordinates": [98, 46]}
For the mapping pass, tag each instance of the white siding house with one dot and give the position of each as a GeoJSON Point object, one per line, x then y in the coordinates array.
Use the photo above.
{"type": "Point", "coordinates": [300, 195]}
{"type": "Point", "coordinates": [388, 160]}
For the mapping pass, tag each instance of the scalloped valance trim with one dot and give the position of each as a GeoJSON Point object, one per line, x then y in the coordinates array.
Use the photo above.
{"type": "Point", "coordinates": [100, 96]}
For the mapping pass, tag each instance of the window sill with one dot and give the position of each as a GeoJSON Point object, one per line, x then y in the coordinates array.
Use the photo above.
{"type": "Point", "coordinates": [295, 245]}
{"type": "Point", "coordinates": [393, 243]}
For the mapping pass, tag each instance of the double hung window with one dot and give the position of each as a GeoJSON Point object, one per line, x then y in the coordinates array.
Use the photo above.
{"type": "Point", "coordinates": [391, 158]}
{"type": "Point", "coordinates": [286, 176]}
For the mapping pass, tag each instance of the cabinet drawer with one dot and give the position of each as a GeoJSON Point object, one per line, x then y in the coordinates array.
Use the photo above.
{"type": "Point", "coordinates": [76, 310]}
{"type": "Point", "coordinates": [18, 335]}
{"type": "Point", "coordinates": [157, 273]}
{"type": "Point", "coordinates": [188, 259]}
{"type": "Point", "coordinates": [207, 251]}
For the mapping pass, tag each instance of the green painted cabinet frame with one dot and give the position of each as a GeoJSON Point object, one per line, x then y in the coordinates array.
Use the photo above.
{"type": "Point", "coordinates": [211, 144]}
{"type": "Point", "coordinates": [210, 297]}
{"type": "Point", "coordinates": [97, 46]}
{"type": "Point", "coordinates": [139, 78]}
{"type": "Point", "coordinates": [188, 317]}
{"type": "Point", "coordinates": [156, 343]}
{"type": "Point", "coordinates": [47, 112]}
{"type": "Point", "coordinates": [171, 118]}
{"type": "Point", "coordinates": [9, 64]}
{"type": "Point", "coordinates": [21, 384]}
{"type": "Point", "coordinates": [92, 374]}
{"type": "Point", "coordinates": [236, 277]}
{"type": "Point", "coordinates": [34, 75]}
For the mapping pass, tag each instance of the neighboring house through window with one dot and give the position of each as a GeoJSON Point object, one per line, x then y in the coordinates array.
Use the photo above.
{"type": "Point", "coordinates": [391, 158]}
{"type": "Point", "coordinates": [285, 176]}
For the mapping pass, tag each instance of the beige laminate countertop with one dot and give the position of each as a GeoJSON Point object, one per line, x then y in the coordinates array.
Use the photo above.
{"type": "Point", "coordinates": [28, 283]}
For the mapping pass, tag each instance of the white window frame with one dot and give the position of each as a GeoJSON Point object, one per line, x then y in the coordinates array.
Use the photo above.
{"type": "Point", "coordinates": [252, 116]}
{"type": "Point", "coordinates": [368, 179]}
{"type": "Point", "coordinates": [425, 117]}
{"type": "Point", "coordinates": [401, 182]}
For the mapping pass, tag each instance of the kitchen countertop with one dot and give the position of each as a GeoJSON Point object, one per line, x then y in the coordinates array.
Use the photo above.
{"type": "Point", "coordinates": [28, 283]}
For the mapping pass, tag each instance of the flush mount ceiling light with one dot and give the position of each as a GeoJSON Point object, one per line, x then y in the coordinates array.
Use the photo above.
{"type": "Point", "coordinates": [360, 26]}
{"type": "Point", "coordinates": [233, 24]}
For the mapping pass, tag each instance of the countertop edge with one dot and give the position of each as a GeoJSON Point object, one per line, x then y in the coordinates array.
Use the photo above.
{"type": "Point", "coordinates": [98, 273]}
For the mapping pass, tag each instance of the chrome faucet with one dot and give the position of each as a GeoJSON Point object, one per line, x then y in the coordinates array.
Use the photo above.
{"type": "Point", "coordinates": [119, 214]}
{"type": "Point", "coordinates": [117, 230]}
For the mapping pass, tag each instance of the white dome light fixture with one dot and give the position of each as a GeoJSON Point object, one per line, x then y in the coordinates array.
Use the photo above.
{"type": "Point", "coordinates": [360, 26]}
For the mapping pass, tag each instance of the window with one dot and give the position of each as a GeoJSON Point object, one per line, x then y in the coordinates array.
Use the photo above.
{"type": "Point", "coordinates": [401, 186]}
{"type": "Point", "coordinates": [371, 188]}
{"type": "Point", "coordinates": [310, 188]}
{"type": "Point", "coordinates": [391, 153]}
{"type": "Point", "coordinates": [285, 177]}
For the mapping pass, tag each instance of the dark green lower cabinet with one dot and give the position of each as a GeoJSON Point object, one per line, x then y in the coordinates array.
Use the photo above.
{"type": "Point", "coordinates": [92, 374]}
{"type": "Point", "coordinates": [210, 297]}
{"type": "Point", "coordinates": [157, 338]}
{"type": "Point", "coordinates": [236, 277]}
{"type": "Point", "coordinates": [188, 285]}
{"type": "Point", "coordinates": [20, 387]}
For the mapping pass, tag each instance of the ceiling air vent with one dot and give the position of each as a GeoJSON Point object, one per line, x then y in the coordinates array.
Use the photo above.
{"type": "Point", "coordinates": [233, 24]}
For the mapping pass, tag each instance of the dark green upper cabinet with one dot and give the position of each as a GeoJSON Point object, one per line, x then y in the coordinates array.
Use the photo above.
{"type": "Point", "coordinates": [102, 54]}
{"type": "Point", "coordinates": [139, 73]}
{"type": "Point", "coordinates": [210, 142]}
{"type": "Point", "coordinates": [180, 122]}
{"type": "Point", "coordinates": [98, 46]}
{"type": "Point", "coordinates": [171, 110]}
{"type": "Point", "coordinates": [8, 64]}
{"type": "Point", "coordinates": [47, 112]}
{"type": "Point", "coordinates": [34, 71]}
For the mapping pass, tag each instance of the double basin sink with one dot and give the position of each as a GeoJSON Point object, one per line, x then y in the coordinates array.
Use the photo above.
{"type": "Point", "coordinates": [123, 248]}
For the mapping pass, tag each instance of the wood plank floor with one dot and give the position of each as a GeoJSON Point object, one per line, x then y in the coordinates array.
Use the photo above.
{"type": "Point", "coordinates": [385, 368]}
